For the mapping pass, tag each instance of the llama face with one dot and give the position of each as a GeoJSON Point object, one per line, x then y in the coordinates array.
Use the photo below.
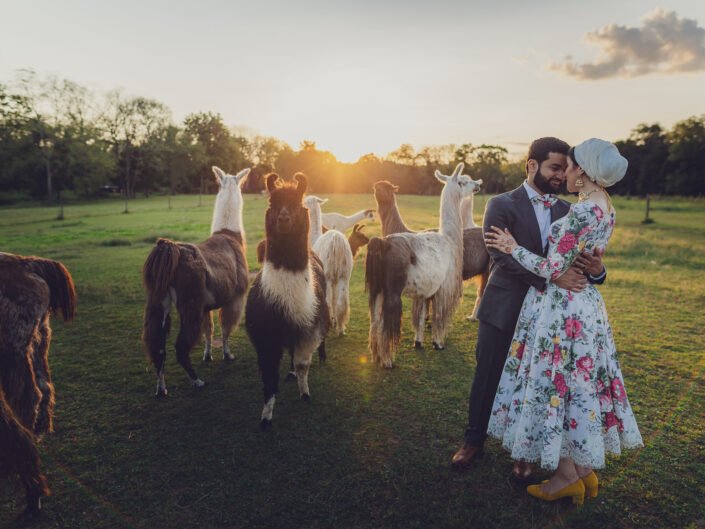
{"type": "Point", "coordinates": [384, 192]}
{"type": "Point", "coordinates": [370, 214]}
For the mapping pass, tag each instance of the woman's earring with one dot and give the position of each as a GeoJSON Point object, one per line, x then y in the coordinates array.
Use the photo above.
{"type": "Point", "coordinates": [579, 182]}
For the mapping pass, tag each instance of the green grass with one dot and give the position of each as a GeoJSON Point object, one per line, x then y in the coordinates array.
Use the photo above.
{"type": "Point", "coordinates": [373, 448]}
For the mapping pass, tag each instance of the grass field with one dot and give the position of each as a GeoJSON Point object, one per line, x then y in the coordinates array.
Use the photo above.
{"type": "Point", "coordinates": [373, 448]}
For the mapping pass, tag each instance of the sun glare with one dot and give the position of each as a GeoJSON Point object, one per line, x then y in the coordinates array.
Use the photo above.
{"type": "Point", "coordinates": [347, 112]}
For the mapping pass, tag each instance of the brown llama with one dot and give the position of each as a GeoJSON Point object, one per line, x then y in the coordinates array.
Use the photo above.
{"type": "Point", "coordinates": [426, 265]}
{"type": "Point", "coordinates": [357, 239]}
{"type": "Point", "coordinates": [476, 260]}
{"type": "Point", "coordinates": [31, 288]}
{"type": "Point", "coordinates": [198, 278]}
{"type": "Point", "coordinates": [286, 306]}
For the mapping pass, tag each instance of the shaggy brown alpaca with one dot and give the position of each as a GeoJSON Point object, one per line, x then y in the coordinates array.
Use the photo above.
{"type": "Point", "coordinates": [31, 289]}
{"type": "Point", "coordinates": [476, 260]}
{"type": "Point", "coordinates": [198, 278]}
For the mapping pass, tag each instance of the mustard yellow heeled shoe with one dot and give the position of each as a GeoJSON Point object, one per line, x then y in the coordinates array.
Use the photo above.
{"type": "Point", "coordinates": [575, 490]}
{"type": "Point", "coordinates": [591, 484]}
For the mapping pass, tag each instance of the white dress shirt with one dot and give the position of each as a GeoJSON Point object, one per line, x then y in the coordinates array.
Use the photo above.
{"type": "Point", "coordinates": [543, 214]}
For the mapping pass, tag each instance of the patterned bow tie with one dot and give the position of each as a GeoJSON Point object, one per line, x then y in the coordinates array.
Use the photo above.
{"type": "Point", "coordinates": [547, 201]}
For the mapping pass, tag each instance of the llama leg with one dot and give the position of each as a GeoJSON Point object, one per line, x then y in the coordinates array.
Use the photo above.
{"type": "Point", "coordinates": [330, 300]}
{"type": "Point", "coordinates": [229, 318]}
{"type": "Point", "coordinates": [291, 375]}
{"type": "Point", "coordinates": [19, 455]}
{"type": "Point", "coordinates": [303, 353]}
{"type": "Point", "coordinates": [191, 324]}
{"type": "Point", "coordinates": [322, 352]}
{"type": "Point", "coordinates": [480, 292]}
{"type": "Point", "coordinates": [444, 303]}
{"type": "Point", "coordinates": [418, 320]}
{"type": "Point", "coordinates": [268, 359]}
{"type": "Point", "coordinates": [342, 306]}
{"type": "Point", "coordinates": [42, 375]}
{"type": "Point", "coordinates": [208, 332]}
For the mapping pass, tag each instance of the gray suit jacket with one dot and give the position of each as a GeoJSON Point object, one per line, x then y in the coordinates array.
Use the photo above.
{"type": "Point", "coordinates": [509, 281]}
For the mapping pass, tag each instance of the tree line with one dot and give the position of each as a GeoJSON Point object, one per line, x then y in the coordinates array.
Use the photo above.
{"type": "Point", "coordinates": [57, 137]}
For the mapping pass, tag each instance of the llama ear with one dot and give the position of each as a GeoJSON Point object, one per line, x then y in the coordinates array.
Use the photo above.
{"type": "Point", "coordinates": [356, 227]}
{"type": "Point", "coordinates": [440, 176]}
{"type": "Point", "coordinates": [302, 183]}
{"type": "Point", "coordinates": [396, 189]}
{"type": "Point", "coordinates": [479, 182]}
{"type": "Point", "coordinates": [321, 200]}
{"type": "Point", "coordinates": [219, 175]}
{"type": "Point", "coordinates": [242, 174]}
{"type": "Point", "coordinates": [458, 170]}
{"type": "Point", "coordinates": [272, 182]}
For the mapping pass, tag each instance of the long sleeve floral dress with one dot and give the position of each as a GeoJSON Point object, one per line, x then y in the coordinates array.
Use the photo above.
{"type": "Point", "coordinates": [562, 393]}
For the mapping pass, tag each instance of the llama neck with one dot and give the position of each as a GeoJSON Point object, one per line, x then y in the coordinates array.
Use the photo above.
{"type": "Point", "coordinates": [466, 206]}
{"type": "Point", "coordinates": [451, 224]}
{"type": "Point", "coordinates": [357, 217]}
{"type": "Point", "coordinates": [227, 214]}
{"type": "Point", "coordinates": [314, 212]}
{"type": "Point", "coordinates": [390, 219]}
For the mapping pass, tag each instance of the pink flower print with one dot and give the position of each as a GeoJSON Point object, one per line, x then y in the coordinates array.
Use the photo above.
{"type": "Point", "coordinates": [618, 390]}
{"type": "Point", "coordinates": [600, 385]}
{"type": "Point", "coordinates": [520, 351]}
{"type": "Point", "coordinates": [573, 328]}
{"type": "Point", "coordinates": [573, 424]}
{"type": "Point", "coordinates": [610, 420]}
{"type": "Point", "coordinates": [566, 243]}
{"type": "Point", "coordinates": [605, 402]}
{"type": "Point", "coordinates": [585, 365]}
{"type": "Point", "coordinates": [598, 212]}
{"type": "Point", "coordinates": [570, 296]}
{"type": "Point", "coordinates": [560, 384]}
{"type": "Point", "coordinates": [556, 355]}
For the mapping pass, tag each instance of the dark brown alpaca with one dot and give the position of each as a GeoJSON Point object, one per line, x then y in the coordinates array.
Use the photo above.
{"type": "Point", "coordinates": [31, 289]}
{"type": "Point", "coordinates": [198, 278]}
{"type": "Point", "coordinates": [476, 260]}
{"type": "Point", "coordinates": [286, 305]}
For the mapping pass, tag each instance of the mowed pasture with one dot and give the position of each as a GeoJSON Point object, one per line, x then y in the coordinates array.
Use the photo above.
{"type": "Point", "coordinates": [373, 447]}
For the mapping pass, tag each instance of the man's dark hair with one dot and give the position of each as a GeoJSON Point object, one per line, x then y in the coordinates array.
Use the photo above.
{"type": "Point", "coordinates": [539, 149]}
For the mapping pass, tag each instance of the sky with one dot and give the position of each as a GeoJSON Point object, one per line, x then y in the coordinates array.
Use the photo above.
{"type": "Point", "coordinates": [365, 76]}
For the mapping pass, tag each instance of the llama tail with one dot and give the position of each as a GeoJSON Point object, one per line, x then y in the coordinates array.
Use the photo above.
{"type": "Point", "coordinates": [63, 292]}
{"type": "Point", "coordinates": [159, 268]}
{"type": "Point", "coordinates": [382, 278]}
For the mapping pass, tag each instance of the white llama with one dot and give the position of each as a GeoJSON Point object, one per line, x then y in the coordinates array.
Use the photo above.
{"type": "Point", "coordinates": [335, 253]}
{"type": "Point", "coordinates": [336, 221]}
{"type": "Point", "coordinates": [420, 266]}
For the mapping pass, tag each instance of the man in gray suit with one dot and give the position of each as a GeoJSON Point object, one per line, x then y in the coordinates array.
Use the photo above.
{"type": "Point", "coordinates": [528, 212]}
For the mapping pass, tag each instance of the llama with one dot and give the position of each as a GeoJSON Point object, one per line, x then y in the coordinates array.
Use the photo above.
{"type": "Point", "coordinates": [335, 253]}
{"type": "Point", "coordinates": [286, 306]}
{"type": "Point", "coordinates": [31, 288]}
{"type": "Point", "coordinates": [476, 260]}
{"type": "Point", "coordinates": [357, 239]}
{"type": "Point", "coordinates": [421, 266]}
{"type": "Point", "coordinates": [336, 221]}
{"type": "Point", "coordinates": [198, 278]}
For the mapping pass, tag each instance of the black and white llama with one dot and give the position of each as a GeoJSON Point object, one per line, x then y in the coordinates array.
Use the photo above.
{"type": "Point", "coordinates": [286, 306]}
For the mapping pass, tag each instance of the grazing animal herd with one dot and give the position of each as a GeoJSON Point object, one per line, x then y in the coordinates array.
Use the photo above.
{"type": "Point", "coordinates": [299, 294]}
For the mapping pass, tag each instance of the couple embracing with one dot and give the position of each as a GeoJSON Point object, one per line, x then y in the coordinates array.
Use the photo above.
{"type": "Point", "coordinates": [548, 383]}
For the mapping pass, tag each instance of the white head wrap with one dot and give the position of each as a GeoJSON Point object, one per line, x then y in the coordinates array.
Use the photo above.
{"type": "Point", "coordinates": [601, 161]}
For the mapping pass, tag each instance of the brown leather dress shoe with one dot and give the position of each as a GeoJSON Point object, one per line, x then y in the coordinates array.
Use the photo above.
{"type": "Point", "coordinates": [522, 470]}
{"type": "Point", "coordinates": [466, 456]}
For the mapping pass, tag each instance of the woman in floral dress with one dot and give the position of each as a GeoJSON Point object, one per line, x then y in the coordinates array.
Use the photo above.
{"type": "Point", "coordinates": [561, 399]}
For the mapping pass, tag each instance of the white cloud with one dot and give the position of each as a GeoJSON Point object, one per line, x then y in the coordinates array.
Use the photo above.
{"type": "Point", "coordinates": [665, 44]}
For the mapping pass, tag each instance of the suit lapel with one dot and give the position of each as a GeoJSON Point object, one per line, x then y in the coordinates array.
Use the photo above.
{"type": "Point", "coordinates": [527, 214]}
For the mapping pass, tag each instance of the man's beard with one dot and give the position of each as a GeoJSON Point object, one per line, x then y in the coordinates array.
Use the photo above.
{"type": "Point", "coordinates": [544, 184]}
